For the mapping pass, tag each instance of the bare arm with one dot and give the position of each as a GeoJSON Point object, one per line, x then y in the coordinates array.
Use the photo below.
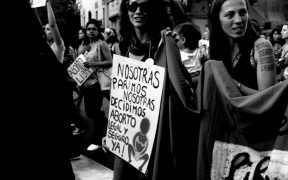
{"type": "Point", "coordinates": [105, 50]}
{"type": "Point", "coordinates": [266, 67]}
{"type": "Point", "coordinates": [266, 64]}
{"type": "Point", "coordinates": [53, 25]}
{"type": "Point", "coordinates": [103, 63]}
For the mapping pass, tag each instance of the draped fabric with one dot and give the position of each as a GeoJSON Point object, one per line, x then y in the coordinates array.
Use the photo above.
{"type": "Point", "coordinates": [241, 137]}
{"type": "Point", "coordinates": [215, 133]}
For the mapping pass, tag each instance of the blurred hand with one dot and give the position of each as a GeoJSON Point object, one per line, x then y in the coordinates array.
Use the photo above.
{"type": "Point", "coordinates": [168, 31]}
{"type": "Point", "coordinates": [104, 146]}
{"type": "Point", "coordinates": [87, 48]}
{"type": "Point", "coordinates": [88, 64]}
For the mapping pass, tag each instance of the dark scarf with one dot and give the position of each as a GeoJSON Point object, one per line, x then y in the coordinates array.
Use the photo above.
{"type": "Point", "coordinates": [147, 48]}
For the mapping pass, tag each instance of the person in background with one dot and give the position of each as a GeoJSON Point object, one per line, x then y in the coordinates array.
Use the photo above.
{"type": "Point", "coordinates": [285, 74]}
{"type": "Point", "coordinates": [99, 56]}
{"type": "Point", "coordinates": [111, 38]}
{"type": "Point", "coordinates": [283, 61]}
{"type": "Point", "coordinates": [276, 41]}
{"type": "Point", "coordinates": [284, 36]}
{"type": "Point", "coordinates": [204, 43]}
{"type": "Point", "coordinates": [249, 59]}
{"type": "Point", "coordinates": [77, 125]}
{"type": "Point", "coordinates": [187, 36]}
{"type": "Point", "coordinates": [176, 12]}
{"type": "Point", "coordinates": [53, 36]}
{"type": "Point", "coordinates": [83, 42]}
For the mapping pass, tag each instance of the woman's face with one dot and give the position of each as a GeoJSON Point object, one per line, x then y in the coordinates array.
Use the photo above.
{"type": "Point", "coordinates": [276, 36]}
{"type": "Point", "coordinates": [138, 12]}
{"type": "Point", "coordinates": [81, 35]}
{"type": "Point", "coordinates": [92, 31]}
{"type": "Point", "coordinates": [284, 32]}
{"type": "Point", "coordinates": [234, 18]}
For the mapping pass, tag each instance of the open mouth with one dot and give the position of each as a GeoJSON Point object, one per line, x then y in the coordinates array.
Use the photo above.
{"type": "Point", "coordinates": [238, 29]}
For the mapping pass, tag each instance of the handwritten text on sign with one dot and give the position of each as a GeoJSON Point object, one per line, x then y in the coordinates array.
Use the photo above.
{"type": "Point", "coordinates": [134, 109]}
{"type": "Point", "coordinates": [77, 70]}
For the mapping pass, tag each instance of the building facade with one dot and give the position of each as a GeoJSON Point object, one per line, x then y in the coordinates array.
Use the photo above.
{"type": "Point", "coordinates": [267, 12]}
{"type": "Point", "coordinates": [105, 10]}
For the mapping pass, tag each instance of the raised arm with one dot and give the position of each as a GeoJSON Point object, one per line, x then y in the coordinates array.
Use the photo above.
{"type": "Point", "coordinates": [53, 25]}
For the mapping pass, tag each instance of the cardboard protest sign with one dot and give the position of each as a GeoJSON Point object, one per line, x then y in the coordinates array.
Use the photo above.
{"type": "Point", "coordinates": [37, 3]}
{"type": "Point", "coordinates": [77, 70]}
{"type": "Point", "coordinates": [136, 92]}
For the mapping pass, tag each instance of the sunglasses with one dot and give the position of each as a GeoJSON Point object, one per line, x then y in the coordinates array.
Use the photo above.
{"type": "Point", "coordinates": [144, 7]}
{"type": "Point", "coordinates": [92, 29]}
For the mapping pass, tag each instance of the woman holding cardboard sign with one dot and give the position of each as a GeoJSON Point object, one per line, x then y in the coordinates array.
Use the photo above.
{"type": "Point", "coordinates": [141, 24]}
{"type": "Point", "coordinates": [97, 57]}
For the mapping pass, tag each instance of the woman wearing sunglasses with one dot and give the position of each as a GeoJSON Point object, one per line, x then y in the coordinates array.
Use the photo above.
{"type": "Point", "coordinates": [141, 22]}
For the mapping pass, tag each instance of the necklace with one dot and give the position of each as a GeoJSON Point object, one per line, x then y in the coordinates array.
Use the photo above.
{"type": "Point", "coordinates": [236, 59]}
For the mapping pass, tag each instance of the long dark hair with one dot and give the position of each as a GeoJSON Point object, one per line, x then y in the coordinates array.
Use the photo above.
{"type": "Point", "coordinates": [157, 21]}
{"type": "Point", "coordinates": [277, 29]}
{"type": "Point", "coordinates": [97, 25]}
{"type": "Point", "coordinates": [85, 40]}
{"type": "Point", "coordinates": [219, 44]}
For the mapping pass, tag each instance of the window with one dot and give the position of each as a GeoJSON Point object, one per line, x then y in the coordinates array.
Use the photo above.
{"type": "Point", "coordinates": [89, 16]}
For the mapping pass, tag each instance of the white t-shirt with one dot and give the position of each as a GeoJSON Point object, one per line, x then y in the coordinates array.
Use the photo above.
{"type": "Point", "coordinates": [191, 60]}
{"type": "Point", "coordinates": [204, 42]}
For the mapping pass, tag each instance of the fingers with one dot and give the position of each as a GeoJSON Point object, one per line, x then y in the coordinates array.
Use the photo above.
{"type": "Point", "coordinates": [104, 146]}
{"type": "Point", "coordinates": [104, 149]}
{"type": "Point", "coordinates": [168, 31]}
{"type": "Point", "coordinates": [86, 64]}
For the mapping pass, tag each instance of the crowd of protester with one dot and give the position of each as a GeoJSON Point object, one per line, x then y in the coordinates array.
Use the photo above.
{"type": "Point", "coordinates": [254, 63]}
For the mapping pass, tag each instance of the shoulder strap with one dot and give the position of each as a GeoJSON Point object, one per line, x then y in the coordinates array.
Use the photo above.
{"type": "Point", "coordinates": [99, 51]}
